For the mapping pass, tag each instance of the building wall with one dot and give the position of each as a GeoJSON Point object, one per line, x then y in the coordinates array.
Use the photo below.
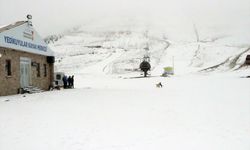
{"type": "Point", "coordinates": [10, 84]}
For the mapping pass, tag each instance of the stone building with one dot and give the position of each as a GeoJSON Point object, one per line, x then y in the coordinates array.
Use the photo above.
{"type": "Point", "coordinates": [26, 61]}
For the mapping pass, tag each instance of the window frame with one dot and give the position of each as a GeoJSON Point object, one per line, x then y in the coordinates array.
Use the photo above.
{"type": "Point", "coordinates": [45, 70]}
{"type": "Point", "coordinates": [8, 67]}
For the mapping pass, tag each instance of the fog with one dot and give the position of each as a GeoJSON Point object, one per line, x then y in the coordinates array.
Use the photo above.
{"type": "Point", "coordinates": [55, 16]}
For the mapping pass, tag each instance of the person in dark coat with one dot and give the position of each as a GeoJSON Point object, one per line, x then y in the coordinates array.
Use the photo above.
{"type": "Point", "coordinates": [65, 80]}
{"type": "Point", "coordinates": [69, 82]}
{"type": "Point", "coordinates": [72, 81]}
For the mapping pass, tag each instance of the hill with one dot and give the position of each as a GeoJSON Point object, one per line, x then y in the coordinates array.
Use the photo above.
{"type": "Point", "coordinates": [118, 47]}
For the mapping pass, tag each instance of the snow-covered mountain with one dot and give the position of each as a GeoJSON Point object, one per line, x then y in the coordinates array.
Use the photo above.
{"type": "Point", "coordinates": [109, 47]}
{"type": "Point", "coordinates": [107, 110]}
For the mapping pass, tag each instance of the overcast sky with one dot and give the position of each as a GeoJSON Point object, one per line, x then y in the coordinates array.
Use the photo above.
{"type": "Point", "coordinates": [54, 16]}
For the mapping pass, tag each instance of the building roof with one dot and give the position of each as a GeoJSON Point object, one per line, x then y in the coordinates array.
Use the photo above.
{"type": "Point", "coordinates": [21, 36]}
{"type": "Point", "coordinates": [10, 26]}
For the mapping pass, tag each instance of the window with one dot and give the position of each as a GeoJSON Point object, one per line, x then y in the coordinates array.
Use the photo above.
{"type": "Point", "coordinates": [8, 67]}
{"type": "Point", "coordinates": [58, 77]}
{"type": "Point", "coordinates": [45, 70]}
{"type": "Point", "coordinates": [38, 70]}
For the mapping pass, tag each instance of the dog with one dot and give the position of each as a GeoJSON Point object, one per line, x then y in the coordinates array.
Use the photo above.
{"type": "Point", "coordinates": [159, 85]}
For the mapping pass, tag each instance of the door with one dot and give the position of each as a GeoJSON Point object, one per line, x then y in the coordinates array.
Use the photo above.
{"type": "Point", "coordinates": [24, 72]}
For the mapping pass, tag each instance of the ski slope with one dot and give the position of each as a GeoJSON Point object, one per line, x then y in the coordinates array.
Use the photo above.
{"type": "Point", "coordinates": [109, 110]}
{"type": "Point", "coordinates": [190, 49]}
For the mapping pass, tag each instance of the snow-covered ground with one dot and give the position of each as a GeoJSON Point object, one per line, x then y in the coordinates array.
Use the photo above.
{"type": "Point", "coordinates": [121, 47]}
{"type": "Point", "coordinates": [192, 112]}
{"type": "Point", "coordinates": [111, 110]}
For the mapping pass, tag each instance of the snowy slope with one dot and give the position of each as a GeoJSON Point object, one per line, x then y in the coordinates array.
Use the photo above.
{"type": "Point", "coordinates": [193, 48]}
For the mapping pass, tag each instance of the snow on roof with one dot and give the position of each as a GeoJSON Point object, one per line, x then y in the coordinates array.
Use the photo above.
{"type": "Point", "coordinates": [10, 26]}
{"type": "Point", "coordinates": [2, 26]}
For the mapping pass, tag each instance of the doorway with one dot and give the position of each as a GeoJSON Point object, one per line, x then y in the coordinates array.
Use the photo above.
{"type": "Point", "coordinates": [25, 71]}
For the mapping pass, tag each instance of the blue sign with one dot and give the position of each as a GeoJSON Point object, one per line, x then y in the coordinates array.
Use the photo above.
{"type": "Point", "coordinates": [17, 42]}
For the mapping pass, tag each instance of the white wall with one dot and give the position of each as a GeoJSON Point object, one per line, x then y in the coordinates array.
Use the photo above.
{"type": "Point", "coordinates": [24, 38]}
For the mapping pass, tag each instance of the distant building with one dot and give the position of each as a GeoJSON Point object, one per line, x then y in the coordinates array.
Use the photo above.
{"type": "Point", "coordinates": [25, 59]}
